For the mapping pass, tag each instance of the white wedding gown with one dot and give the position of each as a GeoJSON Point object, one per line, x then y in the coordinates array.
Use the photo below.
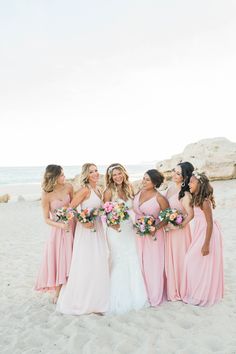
{"type": "Point", "coordinates": [127, 288]}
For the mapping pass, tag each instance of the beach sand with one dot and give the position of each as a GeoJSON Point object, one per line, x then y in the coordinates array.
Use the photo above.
{"type": "Point", "coordinates": [29, 323]}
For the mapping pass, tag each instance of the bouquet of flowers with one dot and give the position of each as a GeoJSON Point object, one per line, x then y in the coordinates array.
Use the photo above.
{"type": "Point", "coordinates": [114, 213]}
{"type": "Point", "coordinates": [64, 214]}
{"type": "Point", "coordinates": [88, 215]}
{"type": "Point", "coordinates": [173, 216]}
{"type": "Point", "coordinates": [145, 225]}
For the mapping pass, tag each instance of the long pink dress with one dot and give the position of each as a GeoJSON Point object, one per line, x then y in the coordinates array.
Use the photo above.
{"type": "Point", "coordinates": [176, 245]}
{"type": "Point", "coordinates": [87, 289]}
{"type": "Point", "coordinates": [151, 253]}
{"type": "Point", "coordinates": [203, 278]}
{"type": "Point", "coordinates": [57, 254]}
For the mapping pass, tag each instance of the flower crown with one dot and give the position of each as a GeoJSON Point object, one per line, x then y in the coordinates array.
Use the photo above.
{"type": "Point", "coordinates": [197, 174]}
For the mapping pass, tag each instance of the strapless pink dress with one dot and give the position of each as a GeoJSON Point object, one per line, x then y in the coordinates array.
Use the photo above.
{"type": "Point", "coordinates": [57, 255]}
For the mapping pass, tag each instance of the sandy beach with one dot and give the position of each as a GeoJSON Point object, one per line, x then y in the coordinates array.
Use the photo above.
{"type": "Point", "coordinates": [30, 325]}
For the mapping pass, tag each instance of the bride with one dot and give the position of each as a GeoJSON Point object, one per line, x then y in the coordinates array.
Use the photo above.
{"type": "Point", "coordinates": [127, 288]}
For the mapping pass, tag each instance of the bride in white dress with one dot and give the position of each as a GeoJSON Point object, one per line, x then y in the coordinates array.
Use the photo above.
{"type": "Point", "coordinates": [127, 288]}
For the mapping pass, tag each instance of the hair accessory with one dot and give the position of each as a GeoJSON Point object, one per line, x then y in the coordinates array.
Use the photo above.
{"type": "Point", "coordinates": [110, 169]}
{"type": "Point", "coordinates": [196, 174]}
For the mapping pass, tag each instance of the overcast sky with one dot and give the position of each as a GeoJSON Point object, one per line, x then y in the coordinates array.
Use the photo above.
{"type": "Point", "coordinates": [105, 81]}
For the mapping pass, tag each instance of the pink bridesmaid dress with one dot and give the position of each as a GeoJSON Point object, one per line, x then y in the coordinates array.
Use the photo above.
{"type": "Point", "coordinates": [176, 245]}
{"type": "Point", "coordinates": [203, 278]}
{"type": "Point", "coordinates": [151, 253]}
{"type": "Point", "coordinates": [87, 289]}
{"type": "Point", "coordinates": [57, 254]}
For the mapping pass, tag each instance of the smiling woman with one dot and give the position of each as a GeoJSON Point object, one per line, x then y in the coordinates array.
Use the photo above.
{"type": "Point", "coordinates": [87, 289]}
{"type": "Point", "coordinates": [127, 289]}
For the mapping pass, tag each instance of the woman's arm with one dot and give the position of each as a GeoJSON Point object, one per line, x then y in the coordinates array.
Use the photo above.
{"type": "Point", "coordinates": [164, 204]}
{"type": "Point", "coordinates": [79, 197]}
{"type": "Point", "coordinates": [209, 220]}
{"type": "Point", "coordinates": [186, 202]}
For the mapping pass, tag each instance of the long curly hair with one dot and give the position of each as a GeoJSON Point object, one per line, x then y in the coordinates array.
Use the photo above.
{"type": "Point", "coordinates": [186, 171]}
{"type": "Point", "coordinates": [110, 184]}
{"type": "Point", "coordinates": [51, 174]}
{"type": "Point", "coordinates": [205, 190]}
{"type": "Point", "coordinates": [84, 177]}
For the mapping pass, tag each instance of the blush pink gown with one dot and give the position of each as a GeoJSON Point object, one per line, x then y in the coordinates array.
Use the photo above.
{"type": "Point", "coordinates": [203, 277]}
{"type": "Point", "coordinates": [151, 253]}
{"type": "Point", "coordinates": [87, 289]}
{"type": "Point", "coordinates": [57, 254]}
{"type": "Point", "coordinates": [176, 245]}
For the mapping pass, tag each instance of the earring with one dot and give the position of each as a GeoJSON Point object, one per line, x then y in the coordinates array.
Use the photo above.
{"type": "Point", "coordinates": [183, 184]}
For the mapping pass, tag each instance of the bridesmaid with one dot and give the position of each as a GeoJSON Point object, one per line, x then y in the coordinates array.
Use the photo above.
{"type": "Point", "coordinates": [203, 279]}
{"type": "Point", "coordinates": [57, 255]}
{"type": "Point", "coordinates": [149, 201]}
{"type": "Point", "coordinates": [178, 238]}
{"type": "Point", "coordinates": [87, 289]}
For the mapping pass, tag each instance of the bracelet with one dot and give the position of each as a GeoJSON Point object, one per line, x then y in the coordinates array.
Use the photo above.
{"type": "Point", "coordinates": [180, 226]}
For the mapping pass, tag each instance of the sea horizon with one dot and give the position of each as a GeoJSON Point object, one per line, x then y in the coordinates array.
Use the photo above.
{"type": "Point", "coordinates": [18, 175]}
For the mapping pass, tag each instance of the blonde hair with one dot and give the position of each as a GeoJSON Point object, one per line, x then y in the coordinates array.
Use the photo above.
{"type": "Point", "coordinates": [110, 184]}
{"type": "Point", "coordinates": [85, 174]}
{"type": "Point", "coordinates": [51, 175]}
{"type": "Point", "coordinates": [205, 190]}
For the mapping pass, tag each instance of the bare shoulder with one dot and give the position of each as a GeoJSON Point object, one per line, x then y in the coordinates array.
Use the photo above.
{"type": "Point", "coordinates": [206, 205]}
{"type": "Point", "coordinates": [187, 196]}
{"type": "Point", "coordinates": [69, 187]}
{"type": "Point", "coordinates": [162, 200]}
{"type": "Point", "coordinates": [45, 196]}
{"type": "Point", "coordinates": [169, 190]}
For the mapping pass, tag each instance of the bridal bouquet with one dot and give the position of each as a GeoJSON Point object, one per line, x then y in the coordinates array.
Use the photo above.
{"type": "Point", "coordinates": [172, 216]}
{"type": "Point", "coordinates": [88, 215]}
{"type": "Point", "coordinates": [113, 213]}
{"type": "Point", "coordinates": [145, 225]}
{"type": "Point", "coordinates": [64, 214]}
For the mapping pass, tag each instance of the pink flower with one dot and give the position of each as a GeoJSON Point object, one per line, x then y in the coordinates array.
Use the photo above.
{"type": "Point", "coordinates": [108, 207]}
{"type": "Point", "coordinates": [179, 219]}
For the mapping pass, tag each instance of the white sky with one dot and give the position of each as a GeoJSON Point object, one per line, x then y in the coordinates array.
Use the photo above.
{"type": "Point", "coordinates": [130, 81]}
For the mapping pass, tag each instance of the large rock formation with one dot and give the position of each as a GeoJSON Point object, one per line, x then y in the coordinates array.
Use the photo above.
{"type": "Point", "coordinates": [216, 157]}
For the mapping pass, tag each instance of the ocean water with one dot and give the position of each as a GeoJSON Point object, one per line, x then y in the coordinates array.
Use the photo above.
{"type": "Point", "coordinates": [34, 174]}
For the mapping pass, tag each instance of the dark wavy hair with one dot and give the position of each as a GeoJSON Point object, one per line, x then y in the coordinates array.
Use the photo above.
{"type": "Point", "coordinates": [156, 177]}
{"type": "Point", "coordinates": [186, 171]}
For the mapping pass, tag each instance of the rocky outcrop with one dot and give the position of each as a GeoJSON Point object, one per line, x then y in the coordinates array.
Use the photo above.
{"type": "Point", "coordinates": [216, 157]}
{"type": "Point", "coordinates": [4, 198]}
